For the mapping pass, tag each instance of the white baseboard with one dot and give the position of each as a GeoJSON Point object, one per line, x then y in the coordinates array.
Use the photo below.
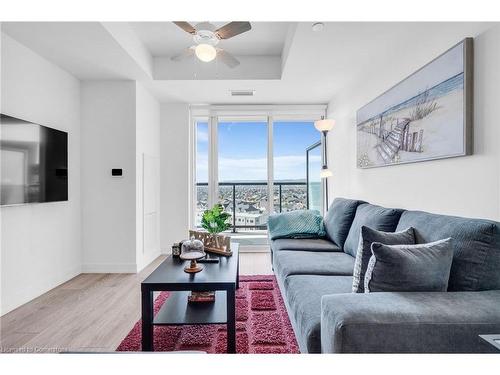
{"type": "Point", "coordinates": [109, 268]}
{"type": "Point", "coordinates": [26, 294]}
{"type": "Point", "coordinates": [148, 260]}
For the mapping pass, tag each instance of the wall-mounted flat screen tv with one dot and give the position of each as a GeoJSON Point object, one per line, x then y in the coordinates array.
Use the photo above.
{"type": "Point", "coordinates": [33, 161]}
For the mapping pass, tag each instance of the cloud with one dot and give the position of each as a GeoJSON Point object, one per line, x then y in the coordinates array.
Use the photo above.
{"type": "Point", "coordinates": [288, 167]}
{"type": "Point", "coordinates": [202, 135]}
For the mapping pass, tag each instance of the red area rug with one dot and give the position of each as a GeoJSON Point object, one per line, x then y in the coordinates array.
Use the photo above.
{"type": "Point", "coordinates": [262, 325]}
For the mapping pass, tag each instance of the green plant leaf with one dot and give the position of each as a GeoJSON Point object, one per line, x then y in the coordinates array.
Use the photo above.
{"type": "Point", "coordinates": [215, 220]}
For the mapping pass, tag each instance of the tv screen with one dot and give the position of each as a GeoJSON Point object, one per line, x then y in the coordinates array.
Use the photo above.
{"type": "Point", "coordinates": [34, 162]}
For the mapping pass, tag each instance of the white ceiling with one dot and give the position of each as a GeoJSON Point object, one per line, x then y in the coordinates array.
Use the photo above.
{"type": "Point", "coordinates": [316, 67]}
{"type": "Point", "coordinates": [85, 49]}
{"type": "Point", "coordinates": [167, 39]}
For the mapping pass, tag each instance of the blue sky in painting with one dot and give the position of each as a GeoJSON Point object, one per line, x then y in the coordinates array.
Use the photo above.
{"type": "Point", "coordinates": [243, 150]}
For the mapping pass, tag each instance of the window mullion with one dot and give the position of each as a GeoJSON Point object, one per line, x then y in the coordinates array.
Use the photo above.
{"type": "Point", "coordinates": [212, 162]}
{"type": "Point", "coordinates": [270, 166]}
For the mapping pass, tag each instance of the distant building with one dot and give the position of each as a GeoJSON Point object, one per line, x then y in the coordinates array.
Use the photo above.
{"type": "Point", "coordinates": [251, 202]}
{"type": "Point", "coordinates": [250, 219]}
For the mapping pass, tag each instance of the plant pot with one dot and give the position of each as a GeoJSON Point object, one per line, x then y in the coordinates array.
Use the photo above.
{"type": "Point", "coordinates": [214, 240]}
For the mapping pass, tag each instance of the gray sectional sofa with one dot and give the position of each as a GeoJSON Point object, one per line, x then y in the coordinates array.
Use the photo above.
{"type": "Point", "coordinates": [315, 278]}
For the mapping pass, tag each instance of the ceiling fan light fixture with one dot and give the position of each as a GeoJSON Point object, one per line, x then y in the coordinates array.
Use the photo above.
{"type": "Point", "coordinates": [206, 37]}
{"type": "Point", "coordinates": [205, 52]}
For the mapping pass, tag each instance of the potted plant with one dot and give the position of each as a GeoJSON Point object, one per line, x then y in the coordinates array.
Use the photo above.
{"type": "Point", "coordinates": [215, 221]}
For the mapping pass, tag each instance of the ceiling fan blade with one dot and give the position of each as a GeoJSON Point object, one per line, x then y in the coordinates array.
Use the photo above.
{"type": "Point", "coordinates": [232, 29]}
{"type": "Point", "coordinates": [227, 58]}
{"type": "Point", "coordinates": [188, 52]}
{"type": "Point", "coordinates": [186, 26]}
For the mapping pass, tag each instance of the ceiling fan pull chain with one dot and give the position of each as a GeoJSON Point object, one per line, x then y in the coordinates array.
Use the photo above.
{"type": "Point", "coordinates": [217, 66]}
{"type": "Point", "coordinates": [196, 62]}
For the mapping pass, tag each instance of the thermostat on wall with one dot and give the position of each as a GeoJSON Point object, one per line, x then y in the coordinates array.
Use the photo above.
{"type": "Point", "coordinates": [117, 172]}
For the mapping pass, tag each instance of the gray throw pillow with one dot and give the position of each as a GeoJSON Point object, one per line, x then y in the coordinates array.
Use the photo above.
{"type": "Point", "coordinates": [409, 268]}
{"type": "Point", "coordinates": [339, 218]}
{"type": "Point", "coordinates": [364, 253]}
{"type": "Point", "coordinates": [375, 217]}
{"type": "Point", "coordinates": [476, 245]}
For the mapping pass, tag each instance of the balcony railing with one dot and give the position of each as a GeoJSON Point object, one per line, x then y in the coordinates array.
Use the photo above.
{"type": "Point", "coordinates": [279, 205]}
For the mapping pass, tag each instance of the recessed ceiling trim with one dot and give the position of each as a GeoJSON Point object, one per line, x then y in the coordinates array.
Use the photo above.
{"type": "Point", "coordinates": [251, 68]}
{"type": "Point", "coordinates": [284, 111]}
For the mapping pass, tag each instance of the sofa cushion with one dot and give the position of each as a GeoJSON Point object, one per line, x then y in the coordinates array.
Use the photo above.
{"type": "Point", "coordinates": [409, 268]}
{"type": "Point", "coordinates": [339, 218]}
{"type": "Point", "coordinates": [413, 322]}
{"type": "Point", "coordinates": [364, 253]}
{"type": "Point", "coordinates": [375, 217]}
{"type": "Point", "coordinates": [306, 244]}
{"type": "Point", "coordinates": [476, 247]}
{"type": "Point", "coordinates": [288, 263]}
{"type": "Point", "coordinates": [303, 297]}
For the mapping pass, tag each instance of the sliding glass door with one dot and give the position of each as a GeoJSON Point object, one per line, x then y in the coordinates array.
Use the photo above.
{"type": "Point", "coordinates": [290, 142]}
{"type": "Point", "coordinates": [242, 171]}
{"type": "Point", "coordinates": [314, 191]}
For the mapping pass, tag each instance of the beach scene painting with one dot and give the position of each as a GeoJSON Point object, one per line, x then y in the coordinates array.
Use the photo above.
{"type": "Point", "coordinates": [424, 117]}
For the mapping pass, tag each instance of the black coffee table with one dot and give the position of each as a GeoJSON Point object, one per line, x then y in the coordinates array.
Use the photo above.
{"type": "Point", "coordinates": [221, 277]}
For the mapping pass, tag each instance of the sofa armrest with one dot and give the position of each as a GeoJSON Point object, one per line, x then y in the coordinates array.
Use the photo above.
{"type": "Point", "coordinates": [418, 322]}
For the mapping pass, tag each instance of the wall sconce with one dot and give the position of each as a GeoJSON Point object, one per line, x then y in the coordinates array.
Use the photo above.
{"type": "Point", "coordinates": [324, 126]}
{"type": "Point", "coordinates": [325, 172]}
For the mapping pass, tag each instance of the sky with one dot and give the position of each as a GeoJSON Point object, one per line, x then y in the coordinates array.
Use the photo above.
{"type": "Point", "coordinates": [243, 150]}
{"type": "Point", "coordinates": [442, 68]}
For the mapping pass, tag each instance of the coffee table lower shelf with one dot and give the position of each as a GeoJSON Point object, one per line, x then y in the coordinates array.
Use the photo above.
{"type": "Point", "coordinates": [178, 311]}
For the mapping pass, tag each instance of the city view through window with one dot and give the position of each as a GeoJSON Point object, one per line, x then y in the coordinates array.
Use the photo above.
{"type": "Point", "coordinates": [242, 170]}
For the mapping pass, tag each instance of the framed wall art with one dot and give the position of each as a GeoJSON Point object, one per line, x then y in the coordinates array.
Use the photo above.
{"type": "Point", "coordinates": [426, 116]}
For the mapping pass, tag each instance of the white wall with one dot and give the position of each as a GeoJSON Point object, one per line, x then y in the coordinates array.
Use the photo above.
{"type": "Point", "coordinates": [467, 186]}
{"type": "Point", "coordinates": [174, 160]}
{"type": "Point", "coordinates": [40, 243]}
{"type": "Point", "coordinates": [148, 176]}
{"type": "Point", "coordinates": [111, 124]}
{"type": "Point", "coordinates": [120, 129]}
{"type": "Point", "coordinates": [108, 116]}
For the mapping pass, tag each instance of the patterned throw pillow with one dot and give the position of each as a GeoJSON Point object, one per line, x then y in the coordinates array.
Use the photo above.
{"type": "Point", "coordinates": [296, 224]}
{"type": "Point", "coordinates": [369, 236]}
{"type": "Point", "coordinates": [409, 268]}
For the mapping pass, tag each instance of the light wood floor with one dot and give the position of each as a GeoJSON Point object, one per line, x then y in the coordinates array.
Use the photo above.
{"type": "Point", "coordinates": [91, 312]}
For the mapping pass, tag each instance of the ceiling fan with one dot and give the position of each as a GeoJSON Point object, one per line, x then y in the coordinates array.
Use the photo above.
{"type": "Point", "coordinates": [206, 37]}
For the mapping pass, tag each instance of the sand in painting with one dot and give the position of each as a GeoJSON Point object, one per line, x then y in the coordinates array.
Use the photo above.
{"type": "Point", "coordinates": [442, 132]}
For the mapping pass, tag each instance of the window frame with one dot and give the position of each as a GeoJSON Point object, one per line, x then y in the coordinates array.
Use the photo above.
{"type": "Point", "coordinates": [292, 113]}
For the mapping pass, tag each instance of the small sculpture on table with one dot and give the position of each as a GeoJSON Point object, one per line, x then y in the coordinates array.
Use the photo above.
{"type": "Point", "coordinates": [192, 250]}
{"type": "Point", "coordinates": [215, 221]}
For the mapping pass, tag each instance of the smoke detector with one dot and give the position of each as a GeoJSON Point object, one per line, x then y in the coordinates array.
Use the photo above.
{"type": "Point", "coordinates": [318, 26]}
